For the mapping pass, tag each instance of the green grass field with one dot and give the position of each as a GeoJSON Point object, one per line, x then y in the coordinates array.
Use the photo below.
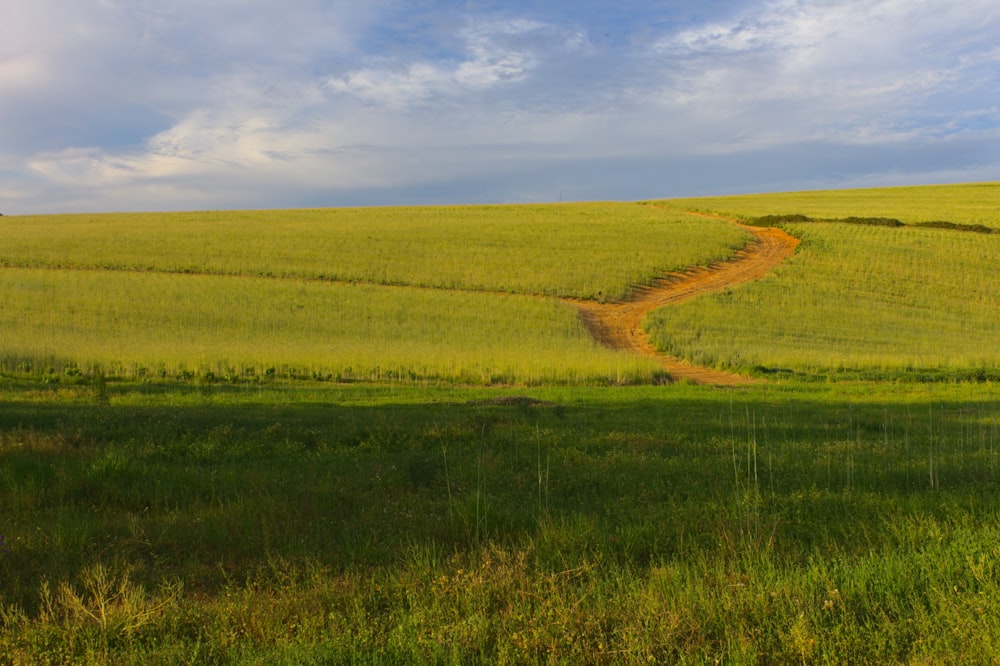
{"type": "Point", "coordinates": [233, 445]}
{"type": "Point", "coordinates": [854, 298]}
{"type": "Point", "coordinates": [140, 325]}
{"type": "Point", "coordinates": [308, 292]}
{"type": "Point", "coordinates": [971, 203]}
{"type": "Point", "coordinates": [594, 251]}
{"type": "Point", "coordinates": [292, 523]}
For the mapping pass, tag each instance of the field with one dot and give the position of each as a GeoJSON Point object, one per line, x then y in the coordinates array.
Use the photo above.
{"type": "Point", "coordinates": [577, 250]}
{"type": "Point", "coordinates": [971, 203]}
{"type": "Point", "coordinates": [141, 325]}
{"type": "Point", "coordinates": [239, 450]}
{"type": "Point", "coordinates": [888, 283]}
{"type": "Point", "coordinates": [243, 293]}
{"type": "Point", "coordinates": [856, 298]}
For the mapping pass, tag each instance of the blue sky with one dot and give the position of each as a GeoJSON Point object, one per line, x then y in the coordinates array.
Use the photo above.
{"type": "Point", "coordinates": [121, 105]}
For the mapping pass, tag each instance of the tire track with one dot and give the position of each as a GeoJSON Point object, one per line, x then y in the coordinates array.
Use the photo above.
{"type": "Point", "coordinates": [619, 325]}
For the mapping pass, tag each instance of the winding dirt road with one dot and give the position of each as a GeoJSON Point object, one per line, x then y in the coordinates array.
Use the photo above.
{"type": "Point", "coordinates": [619, 325]}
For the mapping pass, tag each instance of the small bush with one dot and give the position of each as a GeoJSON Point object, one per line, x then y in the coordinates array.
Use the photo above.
{"type": "Point", "coordinates": [776, 220]}
{"type": "Point", "coordinates": [872, 221]}
{"type": "Point", "coordinates": [955, 226]}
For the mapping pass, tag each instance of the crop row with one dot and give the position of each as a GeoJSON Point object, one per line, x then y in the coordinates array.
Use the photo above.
{"type": "Point", "coordinates": [144, 323]}
{"type": "Point", "coordinates": [595, 251]}
{"type": "Point", "coordinates": [967, 203]}
{"type": "Point", "coordinates": [853, 297]}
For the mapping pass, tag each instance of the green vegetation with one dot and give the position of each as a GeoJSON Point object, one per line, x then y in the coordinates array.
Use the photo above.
{"type": "Point", "coordinates": [231, 328]}
{"type": "Point", "coordinates": [883, 301]}
{"type": "Point", "coordinates": [296, 292]}
{"type": "Point", "coordinates": [971, 203]}
{"type": "Point", "coordinates": [371, 524]}
{"type": "Point", "coordinates": [225, 439]}
{"type": "Point", "coordinates": [594, 251]}
{"type": "Point", "coordinates": [884, 285]}
{"type": "Point", "coordinates": [784, 220]}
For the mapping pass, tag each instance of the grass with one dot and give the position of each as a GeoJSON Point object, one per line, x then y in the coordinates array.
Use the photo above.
{"type": "Point", "coordinates": [308, 523]}
{"type": "Point", "coordinates": [887, 286]}
{"type": "Point", "coordinates": [227, 294]}
{"type": "Point", "coordinates": [874, 299]}
{"type": "Point", "coordinates": [522, 249]}
{"type": "Point", "coordinates": [450, 479]}
{"type": "Point", "coordinates": [230, 328]}
{"type": "Point", "coordinates": [967, 203]}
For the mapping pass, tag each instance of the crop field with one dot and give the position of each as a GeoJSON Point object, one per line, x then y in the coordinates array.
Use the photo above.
{"type": "Point", "coordinates": [856, 298]}
{"type": "Point", "coordinates": [970, 203]}
{"type": "Point", "coordinates": [386, 435]}
{"type": "Point", "coordinates": [572, 250]}
{"type": "Point", "coordinates": [243, 293]}
{"type": "Point", "coordinates": [141, 325]}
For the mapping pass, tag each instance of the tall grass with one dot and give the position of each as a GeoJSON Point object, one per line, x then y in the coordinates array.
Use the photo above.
{"type": "Point", "coordinates": [581, 250]}
{"type": "Point", "coordinates": [967, 203]}
{"type": "Point", "coordinates": [185, 292]}
{"type": "Point", "coordinates": [853, 297]}
{"type": "Point", "coordinates": [423, 522]}
{"type": "Point", "coordinates": [366, 524]}
{"type": "Point", "coordinates": [144, 324]}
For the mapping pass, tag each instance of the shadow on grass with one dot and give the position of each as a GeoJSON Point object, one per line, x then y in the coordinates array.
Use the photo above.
{"type": "Point", "coordinates": [212, 487]}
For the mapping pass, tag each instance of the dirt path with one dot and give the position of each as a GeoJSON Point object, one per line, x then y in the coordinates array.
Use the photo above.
{"type": "Point", "coordinates": [619, 325]}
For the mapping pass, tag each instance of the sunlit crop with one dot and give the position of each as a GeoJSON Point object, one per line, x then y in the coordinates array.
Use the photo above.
{"type": "Point", "coordinates": [377, 293]}
{"type": "Point", "coordinates": [146, 323]}
{"type": "Point", "coordinates": [853, 297]}
{"type": "Point", "coordinates": [967, 203]}
{"type": "Point", "coordinates": [581, 250]}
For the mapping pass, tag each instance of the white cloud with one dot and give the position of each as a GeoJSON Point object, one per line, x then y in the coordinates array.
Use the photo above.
{"type": "Point", "coordinates": [156, 104]}
{"type": "Point", "coordinates": [232, 85]}
{"type": "Point", "coordinates": [494, 53]}
{"type": "Point", "coordinates": [798, 70]}
{"type": "Point", "coordinates": [302, 131]}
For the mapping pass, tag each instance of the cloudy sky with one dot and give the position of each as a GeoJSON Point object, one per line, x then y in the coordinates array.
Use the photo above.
{"type": "Point", "coordinates": [121, 105]}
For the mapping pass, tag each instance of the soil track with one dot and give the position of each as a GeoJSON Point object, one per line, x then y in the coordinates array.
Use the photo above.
{"type": "Point", "coordinates": [619, 325]}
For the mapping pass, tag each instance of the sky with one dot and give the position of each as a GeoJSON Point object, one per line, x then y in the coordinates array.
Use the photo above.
{"type": "Point", "coordinates": [155, 105]}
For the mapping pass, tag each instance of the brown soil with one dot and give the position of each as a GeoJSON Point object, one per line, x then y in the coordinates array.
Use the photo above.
{"type": "Point", "coordinates": [619, 325]}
